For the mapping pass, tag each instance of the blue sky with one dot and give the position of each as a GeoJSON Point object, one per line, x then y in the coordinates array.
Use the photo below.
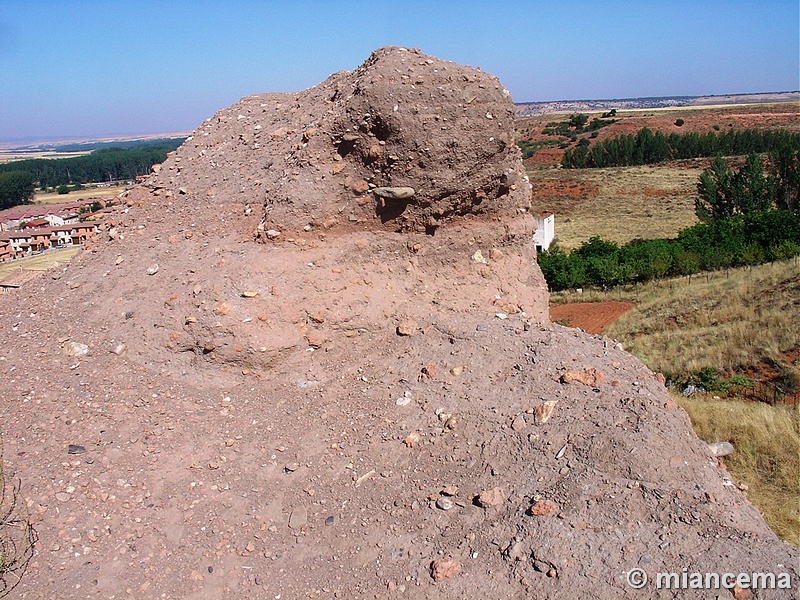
{"type": "Point", "coordinates": [75, 68]}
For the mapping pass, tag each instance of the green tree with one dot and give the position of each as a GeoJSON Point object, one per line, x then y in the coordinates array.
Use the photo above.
{"type": "Point", "coordinates": [16, 187]}
{"type": "Point", "coordinates": [723, 193]}
{"type": "Point", "coordinates": [752, 189]}
{"type": "Point", "coordinates": [687, 263]}
{"type": "Point", "coordinates": [785, 176]}
{"type": "Point", "coordinates": [578, 121]}
{"type": "Point", "coordinates": [715, 193]}
{"type": "Point", "coordinates": [562, 270]}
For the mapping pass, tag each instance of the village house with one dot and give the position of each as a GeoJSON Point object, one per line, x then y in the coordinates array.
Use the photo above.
{"type": "Point", "coordinates": [54, 214]}
{"type": "Point", "coordinates": [39, 240]}
{"type": "Point", "coordinates": [14, 244]}
{"type": "Point", "coordinates": [61, 235]}
{"type": "Point", "coordinates": [36, 223]}
{"type": "Point", "coordinates": [29, 228]}
{"type": "Point", "coordinates": [81, 232]}
{"type": "Point", "coordinates": [70, 235]}
{"type": "Point", "coordinates": [5, 250]}
{"type": "Point", "coordinates": [545, 231]}
{"type": "Point", "coordinates": [19, 242]}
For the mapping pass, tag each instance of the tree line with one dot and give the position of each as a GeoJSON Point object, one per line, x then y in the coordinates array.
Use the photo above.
{"type": "Point", "coordinates": [748, 217]}
{"type": "Point", "coordinates": [734, 242]}
{"type": "Point", "coordinates": [647, 147]}
{"type": "Point", "coordinates": [106, 164]}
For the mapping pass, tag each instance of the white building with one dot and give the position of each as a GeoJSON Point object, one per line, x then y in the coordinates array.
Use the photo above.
{"type": "Point", "coordinates": [545, 231]}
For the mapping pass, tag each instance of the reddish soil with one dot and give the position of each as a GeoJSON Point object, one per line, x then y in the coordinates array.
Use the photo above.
{"type": "Point", "coordinates": [271, 380]}
{"type": "Point", "coordinates": [592, 317]}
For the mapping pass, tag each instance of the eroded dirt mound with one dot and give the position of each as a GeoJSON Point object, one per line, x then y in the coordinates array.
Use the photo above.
{"type": "Point", "coordinates": [437, 134]}
{"type": "Point", "coordinates": [357, 410]}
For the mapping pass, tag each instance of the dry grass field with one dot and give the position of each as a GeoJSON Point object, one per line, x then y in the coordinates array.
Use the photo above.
{"type": "Point", "coordinates": [89, 192]}
{"type": "Point", "coordinates": [742, 321]}
{"type": "Point", "coordinates": [618, 204]}
{"type": "Point", "coordinates": [767, 454]}
{"type": "Point", "coordinates": [23, 269]}
{"type": "Point", "coordinates": [7, 156]}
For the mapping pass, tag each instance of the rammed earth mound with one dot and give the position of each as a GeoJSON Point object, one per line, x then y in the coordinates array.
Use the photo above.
{"type": "Point", "coordinates": [371, 402]}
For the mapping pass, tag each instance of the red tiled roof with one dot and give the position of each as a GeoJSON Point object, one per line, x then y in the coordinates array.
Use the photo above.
{"type": "Point", "coordinates": [32, 211]}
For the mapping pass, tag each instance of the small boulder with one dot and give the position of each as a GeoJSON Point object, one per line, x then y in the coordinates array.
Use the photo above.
{"type": "Point", "coordinates": [359, 186]}
{"type": "Point", "coordinates": [222, 307]}
{"type": "Point", "coordinates": [542, 508]}
{"type": "Point", "coordinates": [543, 412]}
{"type": "Point", "coordinates": [394, 193]}
{"type": "Point", "coordinates": [442, 568]}
{"type": "Point", "coordinates": [720, 449]}
{"type": "Point", "coordinates": [407, 327]}
{"type": "Point", "coordinates": [491, 498]}
{"type": "Point", "coordinates": [519, 423]}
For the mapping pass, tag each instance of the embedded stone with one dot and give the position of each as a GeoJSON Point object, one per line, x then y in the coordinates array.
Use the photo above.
{"type": "Point", "coordinates": [394, 193]}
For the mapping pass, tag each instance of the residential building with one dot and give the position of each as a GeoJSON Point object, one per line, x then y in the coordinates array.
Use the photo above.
{"type": "Point", "coordinates": [545, 231]}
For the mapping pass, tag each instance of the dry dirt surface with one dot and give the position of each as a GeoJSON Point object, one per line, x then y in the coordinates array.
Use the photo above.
{"type": "Point", "coordinates": [263, 383]}
{"type": "Point", "coordinates": [592, 317]}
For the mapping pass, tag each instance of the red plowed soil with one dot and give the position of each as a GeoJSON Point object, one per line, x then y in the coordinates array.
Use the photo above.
{"type": "Point", "coordinates": [592, 317]}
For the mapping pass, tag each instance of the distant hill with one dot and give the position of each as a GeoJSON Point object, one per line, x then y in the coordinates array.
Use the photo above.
{"type": "Point", "coordinates": [532, 109]}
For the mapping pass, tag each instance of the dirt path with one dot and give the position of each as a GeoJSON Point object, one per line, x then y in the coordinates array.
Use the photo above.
{"type": "Point", "coordinates": [592, 317]}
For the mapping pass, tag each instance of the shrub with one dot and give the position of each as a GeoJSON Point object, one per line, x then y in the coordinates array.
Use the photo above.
{"type": "Point", "coordinates": [17, 536]}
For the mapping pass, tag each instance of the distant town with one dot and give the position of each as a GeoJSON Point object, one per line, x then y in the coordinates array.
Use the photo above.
{"type": "Point", "coordinates": [33, 228]}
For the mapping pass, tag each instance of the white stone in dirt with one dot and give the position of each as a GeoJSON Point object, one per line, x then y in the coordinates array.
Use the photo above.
{"type": "Point", "coordinates": [152, 269]}
{"type": "Point", "coordinates": [543, 412]}
{"type": "Point", "coordinates": [720, 449]}
{"type": "Point", "coordinates": [479, 258]}
{"type": "Point", "coordinates": [445, 503]}
{"type": "Point", "coordinates": [75, 349]}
